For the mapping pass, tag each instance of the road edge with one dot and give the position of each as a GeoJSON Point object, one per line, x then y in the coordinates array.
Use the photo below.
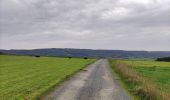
{"type": "Point", "coordinates": [120, 81]}
{"type": "Point", "coordinates": [67, 78]}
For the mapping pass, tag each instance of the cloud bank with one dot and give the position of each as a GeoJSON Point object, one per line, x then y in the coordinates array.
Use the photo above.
{"type": "Point", "coordinates": [95, 24]}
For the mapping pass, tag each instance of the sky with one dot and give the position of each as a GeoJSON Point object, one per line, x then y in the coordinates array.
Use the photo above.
{"type": "Point", "coordinates": [87, 24]}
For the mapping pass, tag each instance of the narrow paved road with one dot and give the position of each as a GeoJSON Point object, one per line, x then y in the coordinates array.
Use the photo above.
{"type": "Point", "coordinates": [96, 82]}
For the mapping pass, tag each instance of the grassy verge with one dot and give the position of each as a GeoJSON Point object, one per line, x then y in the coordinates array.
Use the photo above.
{"type": "Point", "coordinates": [28, 78]}
{"type": "Point", "coordinates": [138, 85]}
{"type": "Point", "coordinates": [155, 71]}
{"type": "Point", "coordinates": [62, 80]}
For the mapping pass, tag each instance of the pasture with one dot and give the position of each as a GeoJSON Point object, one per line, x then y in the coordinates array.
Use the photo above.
{"type": "Point", "coordinates": [28, 78]}
{"type": "Point", "coordinates": [145, 79]}
{"type": "Point", "coordinates": [158, 72]}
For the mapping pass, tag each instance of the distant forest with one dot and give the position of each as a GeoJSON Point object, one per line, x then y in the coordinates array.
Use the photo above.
{"type": "Point", "coordinates": [67, 52]}
{"type": "Point", "coordinates": [163, 59]}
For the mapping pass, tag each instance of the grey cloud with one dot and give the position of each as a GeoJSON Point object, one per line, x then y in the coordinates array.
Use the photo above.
{"type": "Point", "coordinates": [103, 24]}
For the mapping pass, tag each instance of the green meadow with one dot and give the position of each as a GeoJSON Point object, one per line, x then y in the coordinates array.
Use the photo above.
{"type": "Point", "coordinates": [144, 79]}
{"type": "Point", "coordinates": [28, 78]}
{"type": "Point", "coordinates": [158, 72]}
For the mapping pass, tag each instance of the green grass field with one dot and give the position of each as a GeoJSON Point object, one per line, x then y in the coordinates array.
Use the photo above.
{"type": "Point", "coordinates": [28, 78]}
{"type": "Point", "coordinates": [158, 72]}
{"type": "Point", "coordinates": [144, 79]}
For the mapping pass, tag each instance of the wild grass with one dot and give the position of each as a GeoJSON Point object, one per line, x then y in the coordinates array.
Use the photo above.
{"type": "Point", "coordinates": [139, 85]}
{"type": "Point", "coordinates": [28, 78]}
{"type": "Point", "coordinates": [158, 72]}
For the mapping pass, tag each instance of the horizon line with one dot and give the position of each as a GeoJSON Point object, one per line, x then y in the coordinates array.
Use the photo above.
{"type": "Point", "coordinates": [90, 49]}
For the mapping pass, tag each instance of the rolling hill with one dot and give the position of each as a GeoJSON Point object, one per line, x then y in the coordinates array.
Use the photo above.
{"type": "Point", "coordinates": [89, 53]}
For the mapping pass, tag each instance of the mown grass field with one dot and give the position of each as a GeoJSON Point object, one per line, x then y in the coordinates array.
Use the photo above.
{"type": "Point", "coordinates": [28, 78]}
{"type": "Point", "coordinates": [158, 72]}
{"type": "Point", "coordinates": [145, 79]}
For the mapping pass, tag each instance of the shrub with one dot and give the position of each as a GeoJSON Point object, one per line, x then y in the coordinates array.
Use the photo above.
{"type": "Point", "coordinates": [85, 58]}
{"type": "Point", "coordinates": [37, 56]}
{"type": "Point", "coordinates": [69, 57]}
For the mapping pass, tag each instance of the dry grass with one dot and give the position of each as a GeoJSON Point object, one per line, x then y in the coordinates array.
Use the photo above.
{"type": "Point", "coordinates": [142, 87]}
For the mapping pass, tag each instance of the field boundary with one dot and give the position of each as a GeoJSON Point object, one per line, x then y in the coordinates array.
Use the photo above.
{"type": "Point", "coordinates": [62, 81]}
{"type": "Point", "coordinates": [120, 80]}
{"type": "Point", "coordinates": [136, 84]}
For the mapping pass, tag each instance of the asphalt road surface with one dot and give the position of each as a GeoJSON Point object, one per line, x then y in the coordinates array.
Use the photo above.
{"type": "Point", "coordinates": [96, 82]}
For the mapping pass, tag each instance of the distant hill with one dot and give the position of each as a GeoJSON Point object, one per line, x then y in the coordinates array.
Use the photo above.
{"type": "Point", "coordinates": [89, 53]}
{"type": "Point", "coordinates": [1, 53]}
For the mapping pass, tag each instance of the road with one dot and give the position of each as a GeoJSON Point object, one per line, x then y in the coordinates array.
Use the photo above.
{"type": "Point", "coordinates": [96, 82]}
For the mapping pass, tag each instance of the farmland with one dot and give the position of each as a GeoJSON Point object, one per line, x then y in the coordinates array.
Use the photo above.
{"type": "Point", "coordinates": [26, 77]}
{"type": "Point", "coordinates": [158, 72]}
{"type": "Point", "coordinates": [147, 79]}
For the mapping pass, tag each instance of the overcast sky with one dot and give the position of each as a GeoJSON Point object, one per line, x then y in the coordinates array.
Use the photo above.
{"type": "Point", "coordinates": [93, 24]}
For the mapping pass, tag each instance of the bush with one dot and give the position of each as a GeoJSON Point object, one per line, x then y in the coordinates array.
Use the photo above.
{"type": "Point", "coordinates": [37, 56]}
{"type": "Point", "coordinates": [69, 57]}
{"type": "Point", "coordinates": [85, 58]}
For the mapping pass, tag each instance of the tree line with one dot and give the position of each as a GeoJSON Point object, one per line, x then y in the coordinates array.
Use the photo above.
{"type": "Point", "coordinates": [163, 59]}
